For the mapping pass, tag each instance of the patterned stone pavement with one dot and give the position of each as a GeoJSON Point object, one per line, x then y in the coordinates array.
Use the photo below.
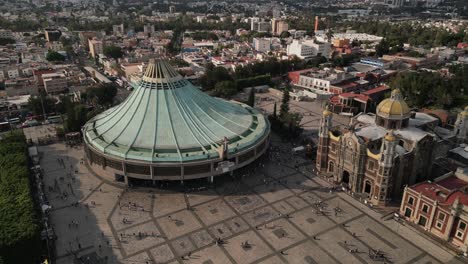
{"type": "Point", "coordinates": [273, 212]}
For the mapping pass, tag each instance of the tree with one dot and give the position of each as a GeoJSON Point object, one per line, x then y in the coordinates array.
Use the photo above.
{"type": "Point", "coordinates": [35, 104]}
{"type": "Point", "coordinates": [19, 223]}
{"type": "Point", "coordinates": [54, 56]}
{"type": "Point", "coordinates": [5, 41]}
{"type": "Point", "coordinates": [429, 89]}
{"type": "Point", "coordinates": [214, 75]}
{"type": "Point", "coordinates": [285, 34]}
{"type": "Point", "coordinates": [225, 89]}
{"type": "Point", "coordinates": [76, 117]}
{"type": "Point", "coordinates": [251, 100]}
{"type": "Point", "coordinates": [113, 52]}
{"type": "Point", "coordinates": [102, 95]}
{"type": "Point", "coordinates": [382, 48]}
{"type": "Point", "coordinates": [284, 108]}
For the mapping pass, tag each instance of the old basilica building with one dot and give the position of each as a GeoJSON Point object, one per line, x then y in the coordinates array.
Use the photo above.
{"type": "Point", "coordinates": [377, 155]}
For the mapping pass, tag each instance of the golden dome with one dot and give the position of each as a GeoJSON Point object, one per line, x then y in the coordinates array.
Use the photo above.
{"type": "Point", "coordinates": [389, 136]}
{"type": "Point", "coordinates": [465, 112]}
{"type": "Point", "coordinates": [394, 107]}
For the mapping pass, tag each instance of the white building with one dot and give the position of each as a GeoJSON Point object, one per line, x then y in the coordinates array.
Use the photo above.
{"type": "Point", "coordinates": [254, 23]}
{"type": "Point", "coordinates": [320, 81]}
{"type": "Point", "coordinates": [351, 35]}
{"type": "Point", "coordinates": [262, 44]}
{"type": "Point", "coordinates": [307, 49]}
{"type": "Point", "coordinates": [13, 73]}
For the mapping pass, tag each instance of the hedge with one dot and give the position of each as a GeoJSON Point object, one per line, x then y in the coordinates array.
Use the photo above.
{"type": "Point", "coordinates": [253, 81]}
{"type": "Point", "coordinates": [19, 224]}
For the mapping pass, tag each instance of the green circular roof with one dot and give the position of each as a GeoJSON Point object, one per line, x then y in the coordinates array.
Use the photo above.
{"type": "Point", "coordinates": [167, 119]}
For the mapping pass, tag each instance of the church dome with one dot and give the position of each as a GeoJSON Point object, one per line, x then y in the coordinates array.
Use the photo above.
{"type": "Point", "coordinates": [465, 112]}
{"type": "Point", "coordinates": [327, 112]}
{"type": "Point", "coordinates": [394, 107]}
{"type": "Point", "coordinates": [390, 136]}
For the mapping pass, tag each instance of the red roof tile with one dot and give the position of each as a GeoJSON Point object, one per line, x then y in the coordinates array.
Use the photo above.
{"type": "Point", "coordinates": [444, 191]}
{"type": "Point", "coordinates": [376, 90]}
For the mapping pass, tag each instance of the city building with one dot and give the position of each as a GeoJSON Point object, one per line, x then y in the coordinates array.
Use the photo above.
{"type": "Point", "coordinates": [168, 129]}
{"type": "Point", "coordinates": [118, 29]}
{"type": "Point", "coordinates": [55, 83]}
{"type": "Point", "coordinates": [357, 102]}
{"type": "Point", "coordinates": [351, 35]}
{"type": "Point", "coordinates": [306, 49]}
{"type": "Point", "coordinates": [12, 73]}
{"type": "Point", "coordinates": [440, 207]}
{"type": "Point", "coordinates": [379, 154]}
{"type": "Point", "coordinates": [341, 42]}
{"type": "Point", "coordinates": [52, 34]}
{"type": "Point", "coordinates": [278, 26]}
{"type": "Point", "coordinates": [149, 28]}
{"type": "Point", "coordinates": [85, 36]}
{"type": "Point", "coordinates": [262, 44]}
{"type": "Point", "coordinates": [258, 24]}
{"type": "Point", "coordinates": [6, 34]}
{"type": "Point", "coordinates": [321, 81]}
{"type": "Point", "coordinates": [96, 47]}
{"type": "Point", "coordinates": [172, 9]}
{"type": "Point", "coordinates": [264, 26]}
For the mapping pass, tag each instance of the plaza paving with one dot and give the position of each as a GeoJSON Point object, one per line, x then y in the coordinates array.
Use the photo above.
{"type": "Point", "coordinates": [279, 209]}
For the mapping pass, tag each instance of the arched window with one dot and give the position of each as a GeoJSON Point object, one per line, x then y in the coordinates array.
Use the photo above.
{"type": "Point", "coordinates": [367, 187]}
{"type": "Point", "coordinates": [331, 166]}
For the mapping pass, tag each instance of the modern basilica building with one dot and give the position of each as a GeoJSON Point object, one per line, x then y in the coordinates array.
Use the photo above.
{"type": "Point", "coordinates": [167, 129]}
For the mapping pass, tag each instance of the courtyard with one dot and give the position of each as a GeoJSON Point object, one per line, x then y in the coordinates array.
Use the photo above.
{"type": "Point", "coordinates": [274, 211]}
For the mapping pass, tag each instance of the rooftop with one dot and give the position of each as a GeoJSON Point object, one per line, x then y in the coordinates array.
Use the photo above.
{"type": "Point", "coordinates": [446, 189]}
{"type": "Point", "coordinates": [167, 119]}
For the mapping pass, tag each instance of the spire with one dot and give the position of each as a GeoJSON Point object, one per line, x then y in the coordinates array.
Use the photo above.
{"type": "Point", "coordinates": [326, 122]}
{"type": "Point", "coordinates": [160, 71]}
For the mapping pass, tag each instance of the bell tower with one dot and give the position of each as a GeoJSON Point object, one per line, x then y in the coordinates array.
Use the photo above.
{"type": "Point", "coordinates": [322, 148]}
{"type": "Point", "coordinates": [387, 154]}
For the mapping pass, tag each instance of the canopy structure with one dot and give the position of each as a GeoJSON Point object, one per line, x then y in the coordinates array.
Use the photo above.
{"type": "Point", "coordinates": [168, 120]}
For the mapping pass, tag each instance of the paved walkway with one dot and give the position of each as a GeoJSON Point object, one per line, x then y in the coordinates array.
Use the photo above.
{"type": "Point", "coordinates": [272, 212]}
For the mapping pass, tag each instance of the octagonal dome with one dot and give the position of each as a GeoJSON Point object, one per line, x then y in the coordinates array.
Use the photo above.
{"type": "Point", "coordinates": [394, 107]}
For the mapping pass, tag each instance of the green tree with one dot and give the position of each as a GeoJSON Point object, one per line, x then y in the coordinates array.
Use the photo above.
{"type": "Point", "coordinates": [382, 48]}
{"type": "Point", "coordinates": [5, 41]}
{"type": "Point", "coordinates": [251, 99]}
{"type": "Point", "coordinates": [76, 117]}
{"type": "Point", "coordinates": [35, 104]}
{"type": "Point", "coordinates": [214, 75]}
{"type": "Point", "coordinates": [285, 34]}
{"type": "Point", "coordinates": [54, 56]}
{"type": "Point", "coordinates": [113, 52]}
{"type": "Point", "coordinates": [19, 223]}
{"type": "Point", "coordinates": [284, 108]}
{"type": "Point", "coordinates": [225, 89]}
{"type": "Point", "coordinates": [102, 95]}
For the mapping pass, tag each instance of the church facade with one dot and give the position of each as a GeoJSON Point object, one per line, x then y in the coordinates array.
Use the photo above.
{"type": "Point", "coordinates": [379, 154]}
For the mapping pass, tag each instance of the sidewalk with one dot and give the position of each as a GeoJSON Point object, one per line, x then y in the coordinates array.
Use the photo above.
{"type": "Point", "coordinates": [408, 233]}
